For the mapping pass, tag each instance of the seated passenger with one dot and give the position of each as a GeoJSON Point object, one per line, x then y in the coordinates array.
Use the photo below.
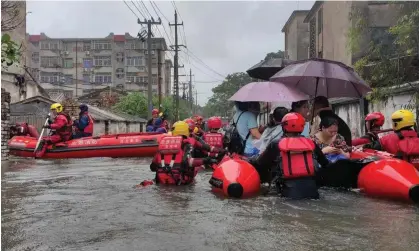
{"type": "Point", "coordinates": [331, 143]}
{"type": "Point", "coordinates": [61, 129]}
{"type": "Point", "coordinates": [159, 126]}
{"type": "Point", "coordinates": [294, 156]}
{"type": "Point", "coordinates": [404, 142]}
{"type": "Point", "coordinates": [83, 125]}
{"type": "Point", "coordinates": [274, 130]}
{"type": "Point", "coordinates": [373, 123]}
{"type": "Point", "coordinates": [174, 163]}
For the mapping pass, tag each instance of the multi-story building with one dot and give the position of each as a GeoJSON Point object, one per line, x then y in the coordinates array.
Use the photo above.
{"type": "Point", "coordinates": [77, 66]}
{"type": "Point", "coordinates": [330, 22]}
{"type": "Point", "coordinates": [296, 36]}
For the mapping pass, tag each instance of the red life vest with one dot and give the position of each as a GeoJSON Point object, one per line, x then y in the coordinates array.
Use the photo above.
{"type": "Point", "coordinates": [404, 144]}
{"type": "Point", "coordinates": [169, 159]}
{"type": "Point", "coordinates": [214, 139]}
{"type": "Point", "coordinates": [297, 157]}
{"type": "Point", "coordinates": [89, 127]}
{"type": "Point", "coordinates": [67, 130]}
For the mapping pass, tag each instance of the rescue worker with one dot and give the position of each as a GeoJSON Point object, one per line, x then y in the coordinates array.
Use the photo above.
{"type": "Point", "coordinates": [84, 124]}
{"type": "Point", "coordinates": [373, 123]}
{"type": "Point", "coordinates": [61, 129]}
{"type": "Point", "coordinates": [213, 137]}
{"type": "Point", "coordinates": [404, 142]}
{"type": "Point", "coordinates": [199, 125]}
{"type": "Point", "coordinates": [201, 147]}
{"type": "Point", "coordinates": [294, 173]}
{"type": "Point", "coordinates": [174, 163]}
{"type": "Point", "coordinates": [23, 129]}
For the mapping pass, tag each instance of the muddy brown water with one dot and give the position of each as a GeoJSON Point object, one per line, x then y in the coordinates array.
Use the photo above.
{"type": "Point", "coordinates": [91, 205]}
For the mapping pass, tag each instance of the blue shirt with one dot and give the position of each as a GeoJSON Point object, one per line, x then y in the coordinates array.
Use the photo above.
{"type": "Point", "coordinates": [246, 122]}
{"type": "Point", "coordinates": [306, 132]}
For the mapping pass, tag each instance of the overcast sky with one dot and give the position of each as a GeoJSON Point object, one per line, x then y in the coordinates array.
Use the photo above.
{"type": "Point", "coordinates": [227, 36]}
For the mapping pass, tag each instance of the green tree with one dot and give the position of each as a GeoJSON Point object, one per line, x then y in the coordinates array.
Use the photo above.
{"type": "Point", "coordinates": [136, 104]}
{"type": "Point", "coordinates": [279, 54]}
{"type": "Point", "coordinates": [10, 51]}
{"type": "Point", "coordinates": [392, 59]}
{"type": "Point", "coordinates": [218, 104]}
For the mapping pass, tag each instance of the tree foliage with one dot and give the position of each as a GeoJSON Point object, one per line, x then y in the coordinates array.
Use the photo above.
{"type": "Point", "coordinates": [218, 104]}
{"type": "Point", "coordinates": [391, 59]}
{"type": "Point", "coordinates": [136, 104]}
{"type": "Point", "coordinates": [279, 54]}
{"type": "Point", "coordinates": [10, 52]}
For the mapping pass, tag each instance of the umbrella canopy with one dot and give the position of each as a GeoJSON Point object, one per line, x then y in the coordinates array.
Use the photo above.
{"type": "Point", "coordinates": [267, 68]}
{"type": "Point", "coordinates": [268, 92]}
{"type": "Point", "coordinates": [321, 77]}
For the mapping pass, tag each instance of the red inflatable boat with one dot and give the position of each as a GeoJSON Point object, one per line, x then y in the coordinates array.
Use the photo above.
{"type": "Point", "coordinates": [116, 145]}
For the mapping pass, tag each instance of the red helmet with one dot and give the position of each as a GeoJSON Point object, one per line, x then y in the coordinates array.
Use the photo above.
{"type": "Point", "coordinates": [191, 124]}
{"type": "Point", "coordinates": [155, 111]}
{"type": "Point", "coordinates": [214, 123]}
{"type": "Point", "coordinates": [376, 118]}
{"type": "Point", "coordinates": [293, 122]}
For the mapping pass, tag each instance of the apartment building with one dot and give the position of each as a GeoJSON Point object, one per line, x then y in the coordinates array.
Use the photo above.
{"type": "Point", "coordinates": [77, 66]}
{"type": "Point", "coordinates": [296, 36]}
{"type": "Point", "coordinates": [329, 23]}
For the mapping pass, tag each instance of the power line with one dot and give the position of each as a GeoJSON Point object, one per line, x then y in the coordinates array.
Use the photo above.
{"type": "Point", "coordinates": [142, 15]}
{"type": "Point", "coordinates": [145, 7]}
{"type": "Point", "coordinates": [198, 60]}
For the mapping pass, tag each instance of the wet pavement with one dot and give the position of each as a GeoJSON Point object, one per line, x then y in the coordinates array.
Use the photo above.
{"type": "Point", "coordinates": [91, 205]}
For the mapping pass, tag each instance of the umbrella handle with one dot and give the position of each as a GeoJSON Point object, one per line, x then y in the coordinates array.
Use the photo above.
{"type": "Point", "coordinates": [315, 95]}
{"type": "Point", "coordinates": [42, 133]}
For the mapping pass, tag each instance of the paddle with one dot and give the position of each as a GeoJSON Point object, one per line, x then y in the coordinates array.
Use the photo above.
{"type": "Point", "coordinates": [42, 132]}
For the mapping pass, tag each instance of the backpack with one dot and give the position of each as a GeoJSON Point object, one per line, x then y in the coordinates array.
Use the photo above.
{"type": "Point", "coordinates": [297, 157]}
{"type": "Point", "coordinates": [234, 142]}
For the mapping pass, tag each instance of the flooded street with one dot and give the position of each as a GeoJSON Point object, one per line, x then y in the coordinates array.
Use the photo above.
{"type": "Point", "coordinates": [91, 205]}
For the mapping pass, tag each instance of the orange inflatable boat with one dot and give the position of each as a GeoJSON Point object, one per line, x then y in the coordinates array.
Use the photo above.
{"type": "Point", "coordinates": [116, 145]}
{"type": "Point", "coordinates": [235, 178]}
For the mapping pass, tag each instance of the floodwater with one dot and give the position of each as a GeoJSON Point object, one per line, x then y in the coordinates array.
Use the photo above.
{"type": "Point", "coordinates": [91, 205]}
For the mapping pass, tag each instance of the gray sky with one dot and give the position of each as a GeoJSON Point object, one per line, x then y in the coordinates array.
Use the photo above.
{"type": "Point", "coordinates": [227, 36]}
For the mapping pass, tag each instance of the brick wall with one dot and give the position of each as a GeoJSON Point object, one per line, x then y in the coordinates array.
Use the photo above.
{"type": "Point", "coordinates": [5, 123]}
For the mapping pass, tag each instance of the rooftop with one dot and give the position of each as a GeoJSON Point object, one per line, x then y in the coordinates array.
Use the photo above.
{"type": "Point", "coordinates": [292, 16]}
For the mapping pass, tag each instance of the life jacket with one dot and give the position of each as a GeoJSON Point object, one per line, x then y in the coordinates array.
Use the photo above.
{"type": "Point", "coordinates": [67, 129]}
{"type": "Point", "coordinates": [297, 157]}
{"type": "Point", "coordinates": [32, 131]}
{"type": "Point", "coordinates": [89, 127]}
{"type": "Point", "coordinates": [408, 147]}
{"type": "Point", "coordinates": [169, 159]}
{"type": "Point", "coordinates": [214, 140]}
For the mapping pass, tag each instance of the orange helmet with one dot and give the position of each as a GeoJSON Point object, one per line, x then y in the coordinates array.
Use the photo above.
{"type": "Point", "coordinates": [155, 111]}
{"type": "Point", "coordinates": [214, 123]}
{"type": "Point", "coordinates": [191, 124]}
{"type": "Point", "coordinates": [293, 122]}
{"type": "Point", "coordinates": [376, 118]}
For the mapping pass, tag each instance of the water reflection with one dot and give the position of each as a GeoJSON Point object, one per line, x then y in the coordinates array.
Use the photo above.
{"type": "Point", "coordinates": [91, 205]}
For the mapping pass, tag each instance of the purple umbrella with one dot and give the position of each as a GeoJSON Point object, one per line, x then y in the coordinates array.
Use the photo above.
{"type": "Point", "coordinates": [321, 77]}
{"type": "Point", "coordinates": [268, 92]}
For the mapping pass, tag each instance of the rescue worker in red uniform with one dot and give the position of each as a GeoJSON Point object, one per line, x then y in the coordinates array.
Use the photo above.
{"type": "Point", "coordinates": [173, 163]}
{"type": "Point", "coordinates": [373, 123]}
{"type": "Point", "coordinates": [61, 129]}
{"type": "Point", "coordinates": [23, 129]}
{"type": "Point", "coordinates": [84, 125]}
{"type": "Point", "coordinates": [199, 123]}
{"type": "Point", "coordinates": [293, 156]}
{"type": "Point", "coordinates": [213, 137]}
{"type": "Point", "coordinates": [404, 142]}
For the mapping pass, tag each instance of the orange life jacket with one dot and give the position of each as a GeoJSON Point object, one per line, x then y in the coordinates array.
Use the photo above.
{"type": "Point", "coordinates": [408, 147]}
{"type": "Point", "coordinates": [89, 127]}
{"type": "Point", "coordinates": [297, 157]}
{"type": "Point", "coordinates": [169, 159]}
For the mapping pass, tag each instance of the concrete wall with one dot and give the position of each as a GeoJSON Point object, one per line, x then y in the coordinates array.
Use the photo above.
{"type": "Point", "coordinates": [5, 123]}
{"type": "Point", "coordinates": [297, 38]}
{"type": "Point", "coordinates": [102, 127]}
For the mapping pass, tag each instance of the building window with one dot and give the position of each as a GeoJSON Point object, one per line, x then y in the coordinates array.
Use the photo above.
{"type": "Point", "coordinates": [68, 63]}
{"type": "Point", "coordinates": [120, 57]}
{"type": "Point", "coordinates": [153, 46]}
{"type": "Point", "coordinates": [50, 77]}
{"type": "Point", "coordinates": [87, 46]}
{"type": "Point", "coordinates": [86, 79]}
{"type": "Point", "coordinates": [51, 62]}
{"type": "Point", "coordinates": [320, 21]}
{"type": "Point", "coordinates": [68, 78]}
{"type": "Point", "coordinates": [87, 63]}
{"type": "Point", "coordinates": [35, 57]}
{"type": "Point", "coordinates": [102, 45]}
{"type": "Point", "coordinates": [103, 78]}
{"type": "Point", "coordinates": [48, 45]}
{"type": "Point", "coordinates": [134, 61]}
{"type": "Point", "coordinates": [312, 46]}
{"type": "Point", "coordinates": [102, 61]}
{"type": "Point", "coordinates": [119, 73]}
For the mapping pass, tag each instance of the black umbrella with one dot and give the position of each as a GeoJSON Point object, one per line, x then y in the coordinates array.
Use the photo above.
{"type": "Point", "coordinates": [267, 68]}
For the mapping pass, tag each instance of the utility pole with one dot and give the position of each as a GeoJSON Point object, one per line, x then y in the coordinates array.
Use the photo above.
{"type": "Point", "coordinates": [184, 91]}
{"type": "Point", "coordinates": [159, 64]}
{"type": "Point", "coordinates": [176, 67]}
{"type": "Point", "coordinates": [150, 73]}
{"type": "Point", "coordinates": [190, 89]}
